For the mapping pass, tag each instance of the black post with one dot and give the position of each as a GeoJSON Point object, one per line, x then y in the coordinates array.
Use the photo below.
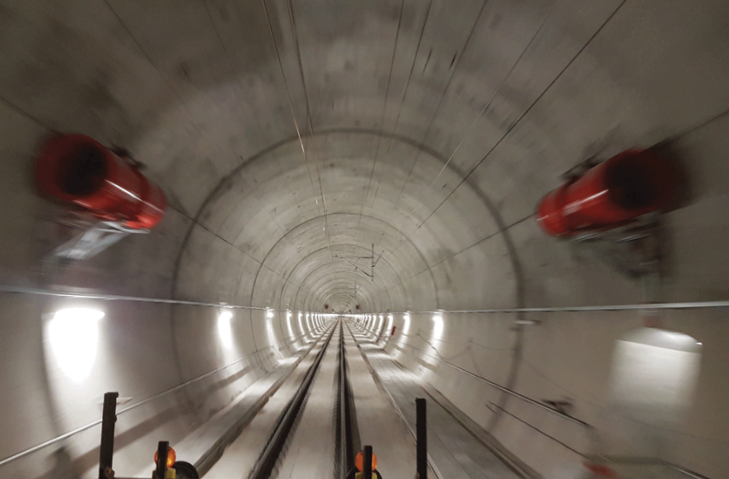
{"type": "Point", "coordinates": [162, 448]}
{"type": "Point", "coordinates": [422, 438]}
{"type": "Point", "coordinates": [367, 466]}
{"type": "Point", "coordinates": [108, 420]}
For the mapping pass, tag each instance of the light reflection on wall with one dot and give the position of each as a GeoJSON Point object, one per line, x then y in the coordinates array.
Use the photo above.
{"type": "Point", "coordinates": [269, 328]}
{"type": "Point", "coordinates": [288, 324]}
{"type": "Point", "coordinates": [406, 326]}
{"type": "Point", "coordinates": [654, 375]}
{"type": "Point", "coordinates": [437, 326]}
{"type": "Point", "coordinates": [301, 326]}
{"type": "Point", "coordinates": [74, 337]}
{"type": "Point", "coordinates": [225, 332]}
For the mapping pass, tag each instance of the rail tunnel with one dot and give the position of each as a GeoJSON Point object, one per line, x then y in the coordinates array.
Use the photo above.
{"type": "Point", "coordinates": [359, 180]}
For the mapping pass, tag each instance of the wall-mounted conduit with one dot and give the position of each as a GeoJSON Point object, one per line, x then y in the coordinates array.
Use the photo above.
{"type": "Point", "coordinates": [556, 309]}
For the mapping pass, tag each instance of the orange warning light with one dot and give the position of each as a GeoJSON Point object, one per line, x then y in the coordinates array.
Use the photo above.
{"type": "Point", "coordinates": [171, 457]}
{"type": "Point", "coordinates": [359, 461]}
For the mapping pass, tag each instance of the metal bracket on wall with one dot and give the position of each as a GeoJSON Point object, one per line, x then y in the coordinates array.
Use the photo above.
{"type": "Point", "coordinates": [373, 262]}
{"type": "Point", "coordinates": [89, 236]}
{"type": "Point", "coordinates": [634, 250]}
{"type": "Point", "coordinates": [580, 168]}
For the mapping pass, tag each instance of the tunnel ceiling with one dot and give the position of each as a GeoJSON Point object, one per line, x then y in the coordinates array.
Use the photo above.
{"type": "Point", "coordinates": [381, 98]}
{"type": "Point", "coordinates": [295, 135]}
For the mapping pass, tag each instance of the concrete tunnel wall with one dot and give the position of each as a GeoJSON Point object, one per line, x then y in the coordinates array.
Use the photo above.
{"type": "Point", "coordinates": [435, 129]}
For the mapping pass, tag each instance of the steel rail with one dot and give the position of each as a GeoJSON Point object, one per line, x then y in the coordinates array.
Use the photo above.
{"type": "Point", "coordinates": [348, 440]}
{"type": "Point", "coordinates": [676, 467]}
{"type": "Point", "coordinates": [506, 390]}
{"type": "Point", "coordinates": [401, 415]}
{"type": "Point", "coordinates": [269, 457]}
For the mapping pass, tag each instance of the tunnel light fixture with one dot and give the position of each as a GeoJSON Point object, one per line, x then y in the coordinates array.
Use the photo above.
{"type": "Point", "coordinates": [225, 331]}
{"type": "Point", "coordinates": [437, 326]}
{"type": "Point", "coordinates": [269, 331]}
{"type": "Point", "coordinates": [406, 326]}
{"type": "Point", "coordinates": [74, 337]}
{"type": "Point", "coordinates": [288, 324]}
{"type": "Point", "coordinates": [269, 313]}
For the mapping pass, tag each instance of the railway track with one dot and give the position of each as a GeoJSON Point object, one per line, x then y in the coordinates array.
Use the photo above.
{"type": "Point", "coordinates": [327, 381]}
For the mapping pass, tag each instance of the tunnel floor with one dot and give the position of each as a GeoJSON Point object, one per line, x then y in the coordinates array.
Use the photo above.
{"type": "Point", "coordinates": [240, 457]}
{"type": "Point", "coordinates": [383, 398]}
{"type": "Point", "coordinates": [456, 449]}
